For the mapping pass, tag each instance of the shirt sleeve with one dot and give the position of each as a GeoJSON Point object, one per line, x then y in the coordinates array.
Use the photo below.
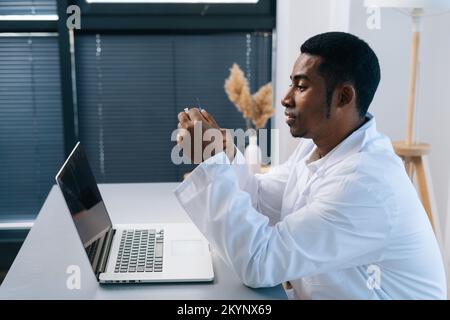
{"type": "Point", "coordinates": [265, 190]}
{"type": "Point", "coordinates": [344, 225]}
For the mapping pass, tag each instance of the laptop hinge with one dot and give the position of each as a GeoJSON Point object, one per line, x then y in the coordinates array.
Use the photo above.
{"type": "Point", "coordinates": [103, 261]}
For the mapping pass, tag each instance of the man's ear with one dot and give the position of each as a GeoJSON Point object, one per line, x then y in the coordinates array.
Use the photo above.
{"type": "Point", "coordinates": [347, 95]}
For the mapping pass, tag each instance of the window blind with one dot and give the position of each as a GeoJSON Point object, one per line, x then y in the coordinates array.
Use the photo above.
{"type": "Point", "coordinates": [31, 132]}
{"type": "Point", "coordinates": [130, 89]}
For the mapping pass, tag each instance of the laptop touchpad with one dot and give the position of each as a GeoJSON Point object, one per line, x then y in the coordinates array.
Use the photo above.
{"type": "Point", "coordinates": [187, 248]}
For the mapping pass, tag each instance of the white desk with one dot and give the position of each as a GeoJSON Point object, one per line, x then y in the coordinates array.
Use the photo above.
{"type": "Point", "coordinates": [39, 270]}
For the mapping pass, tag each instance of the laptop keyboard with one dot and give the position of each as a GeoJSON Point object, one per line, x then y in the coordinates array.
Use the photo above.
{"type": "Point", "coordinates": [140, 251]}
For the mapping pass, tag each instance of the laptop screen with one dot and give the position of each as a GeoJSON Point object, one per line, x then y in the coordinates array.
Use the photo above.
{"type": "Point", "coordinates": [79, 188]}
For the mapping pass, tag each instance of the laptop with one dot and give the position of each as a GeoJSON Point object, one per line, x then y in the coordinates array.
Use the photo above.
{"type": "Point", "coordinates": [129, 253]}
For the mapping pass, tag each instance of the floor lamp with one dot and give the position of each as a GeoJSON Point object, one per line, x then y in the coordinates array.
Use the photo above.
{"type": "Point", "coordinates": [410, 151]}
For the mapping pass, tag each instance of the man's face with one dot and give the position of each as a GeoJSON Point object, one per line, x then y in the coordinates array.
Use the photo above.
{"type": "Point", "coordinates": [306, 100]}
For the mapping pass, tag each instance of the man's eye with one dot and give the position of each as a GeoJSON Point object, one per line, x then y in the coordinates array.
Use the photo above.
{"type": "Point", "coordinates": [298, 87]}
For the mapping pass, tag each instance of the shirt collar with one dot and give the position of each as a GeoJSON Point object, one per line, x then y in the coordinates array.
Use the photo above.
{"type": "Point", "coordinates": [352, 144]}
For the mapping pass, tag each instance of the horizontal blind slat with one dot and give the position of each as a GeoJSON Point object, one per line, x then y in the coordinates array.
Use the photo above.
{"type": "Point", "coordinates": [23, 7]}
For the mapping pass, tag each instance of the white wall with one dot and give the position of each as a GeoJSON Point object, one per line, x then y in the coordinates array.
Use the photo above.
{"type": "Point", "coordinates": [391, 44]}
{"type": "Point", "coordinates": [434, 107]}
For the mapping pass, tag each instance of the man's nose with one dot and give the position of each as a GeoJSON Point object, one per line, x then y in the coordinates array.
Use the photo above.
{"type": "Point", "coordinates": [287, 101]}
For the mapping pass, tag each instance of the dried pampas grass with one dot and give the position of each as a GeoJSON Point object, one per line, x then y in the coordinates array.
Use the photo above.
{"type": "Point", "coordinates": [262, 106]}
{"type": "Point", "coordinates": [257, 108]}
{"type": "Point", "coordinates": [236, 87]}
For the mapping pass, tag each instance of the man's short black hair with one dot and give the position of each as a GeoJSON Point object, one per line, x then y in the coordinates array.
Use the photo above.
{"type": "Point", "coordinates": [346, 58]}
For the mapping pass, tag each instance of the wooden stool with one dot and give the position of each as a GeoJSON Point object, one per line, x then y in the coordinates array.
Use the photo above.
{"type": "Point", "coordinates": [411, 155]}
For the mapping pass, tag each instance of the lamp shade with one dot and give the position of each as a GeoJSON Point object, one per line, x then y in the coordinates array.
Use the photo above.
{"type": "Point", "coordinates": [416, 4]}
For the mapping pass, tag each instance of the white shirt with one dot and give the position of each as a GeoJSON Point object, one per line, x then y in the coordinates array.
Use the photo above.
{"type": "Point", "coordinates": [347, 226]}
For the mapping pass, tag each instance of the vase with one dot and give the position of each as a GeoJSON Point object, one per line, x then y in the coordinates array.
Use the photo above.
{"type": "Point", "coordinates": [253, 155]}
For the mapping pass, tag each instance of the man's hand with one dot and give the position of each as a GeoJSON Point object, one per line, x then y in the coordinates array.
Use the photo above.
{"type": "Point", "coordinates": [202, 137]}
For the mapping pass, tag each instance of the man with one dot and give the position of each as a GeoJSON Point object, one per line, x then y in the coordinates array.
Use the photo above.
{"type": "Point", "coordinates": [340, 219]}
